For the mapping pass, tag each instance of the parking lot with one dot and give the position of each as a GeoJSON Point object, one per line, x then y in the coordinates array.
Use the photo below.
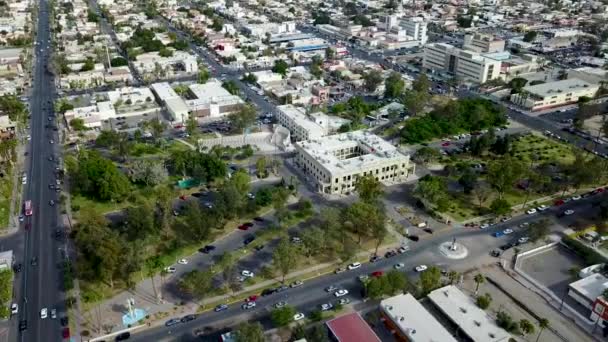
{"type": "Point", "coordinates": [552, 268]}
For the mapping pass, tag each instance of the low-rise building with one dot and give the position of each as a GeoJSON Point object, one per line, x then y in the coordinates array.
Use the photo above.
{"type": "Point", "coordinates": [305, 127]}
{"type": "Point", "coordinates": [472, 322]}
{"type": "Point", "coordinates": [409, 321]}
{"type": "Point", "coordinates": [93, 115]}
{"type": "Point", "coordinates": [333, 163]}
{"type": "Point", "coordinates": [351, 328]}
{"type": "Point", "coordinates": [212, 100]}
{"type": "Point", "coordinates": [585, 291]}
{"type": "Point", "coordinates": [554, 94]}
{"type": "Point", "coordinates": [483, 43]}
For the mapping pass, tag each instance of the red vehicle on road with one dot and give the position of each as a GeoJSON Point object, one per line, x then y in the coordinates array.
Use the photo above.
{"type": "Point", "coordinates": [243, 227]}
{"type": "Point", "coordinates": [445, 143]}
{"type": "Point", "coordinates": [251, 298]}
{"type": "Point", "coordinates": [28, 208]}
{"type": "Point", "coordinates": [559, 202]}
{"type": "Point", "coordinates": [65, 333]}
{"type": "Point", "coordinates": [377, 274]}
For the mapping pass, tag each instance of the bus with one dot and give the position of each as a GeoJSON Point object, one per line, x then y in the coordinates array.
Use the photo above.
{"type": "Point", "coordinates": [27, 208]}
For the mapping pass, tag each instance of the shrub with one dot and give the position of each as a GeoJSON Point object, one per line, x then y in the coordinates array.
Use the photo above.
{"type": "Point", "coordinates": [590, 256]}
{"type": "Point", "coordinates": [484, 301]}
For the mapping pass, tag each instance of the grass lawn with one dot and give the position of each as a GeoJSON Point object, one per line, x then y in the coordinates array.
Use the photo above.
{"type": "Point", "coordinates": [544, 149]}
{"type": "Point", "coordinates": [79, 202]}
{"type": "Point", "coordinates": [6, 189]}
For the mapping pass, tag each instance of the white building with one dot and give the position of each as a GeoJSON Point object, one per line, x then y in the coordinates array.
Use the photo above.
{"type": "Point", "coordinates": [410, 321]}
{"type": "Point", "coordinates": [586, 290]}
{"type": "Point", "coordinates": [94, 115]}
{"type": "Point", "coordinates": [554, 94]}
{"type": "Point", "coordinates": [483, 43]}
{"type": "Point", "coordinates": [475, 323]}
{"type": "Point", "coordinates": [467, 65]}
{"type": "Point", "coordinates": [334, 162]}
{"type": "Point", "coordinates": [151, 61]}
{"type": "Point", "coordinates": [306, 127]}
{"type": "Point", "coordinates": [212, 100]}
{"type": "Point", "coordinates": [416, 28]}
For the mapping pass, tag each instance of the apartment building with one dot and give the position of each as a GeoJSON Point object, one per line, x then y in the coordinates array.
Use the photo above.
{"type": "Point", "coordinates": [483, 43]}
{"type": "Point", "coordinates": [467, 65]}
{"type": "Point", "coordinates": [554, 94]}
{"type": "Point", "coordinates": [334, 162]}
{"type": "Point", "coordinates": [415, 28]}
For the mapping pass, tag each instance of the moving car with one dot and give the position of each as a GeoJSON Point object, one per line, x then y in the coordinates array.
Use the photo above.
{"type": "Point", "coordinates": [247, 273]}
{"type": "Point", "coordinates": [420, 268]}
{"type": "Point", "coordinates": [54, 313]}
{"type": "Point", "coordinates": [182, 262]}
{"type": "Point", "coordinates": [531, 211]}
{"type": "Point", "coordinates": [188, 318]}
{"type": "Point", "coordinates": [14, 309]}
{"type": "Point", "coordinates": [507, 231]}
{"type": "Point", "coordinates": [568, 212]}
{"type": "Point", "coordinates": [172, 322]}
{"type": "Point", "coordinates": [207, 249]}
{"type": "Point", "coordinates": [403, 249]}
{"type": "Point", "coordinates": [341, 293]}
{"type": "Point", "coordinates": [354, 265]}
{"type": "Point", "coordinates": [44, 313]}
{"type": "Point", "coordinates": [377, 274]}
{"type": "Point", "coordinates": [248, 305]}
{"type": "Point", "coordinates": [296, 283]}
{"type": "Point", "coordinates": [280, 304]}
{"type": "Point", "coordinates": [220, 307]}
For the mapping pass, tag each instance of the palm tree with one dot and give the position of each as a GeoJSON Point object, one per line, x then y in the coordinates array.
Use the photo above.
{"type": "Point", "coordinates": [479, 279]}
{"type": "Point", "coordinates": [542, 324]}
{"type": "Point", "coordinates": [453, 276]}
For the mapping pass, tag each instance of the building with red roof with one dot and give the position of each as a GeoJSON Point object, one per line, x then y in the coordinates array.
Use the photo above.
{"type": "Point", "coordinates": [351, 328]}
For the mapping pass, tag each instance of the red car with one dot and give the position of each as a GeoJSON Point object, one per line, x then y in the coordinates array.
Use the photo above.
{"type": "Point", "coordinates": [377, 274]}
{"type": "Point", "coordinates": [445, 143]}
{"type": "Point", "coordinates": [182, 197]}
{"type": "Point", "coordinates": [248, 224]}
{"type": "Point", "coordinates": [65, 333]}
{"type": "Point", "coordinates": [243, 227]}
{"type": "Point", "coordinates": [251, 298]}
{"type": "Point", "coordinates": [559, 202]}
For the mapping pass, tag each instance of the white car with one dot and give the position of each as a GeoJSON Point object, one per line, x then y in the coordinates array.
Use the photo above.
{"type": "Point", "coordinates": [354, 265]}
{"type": "Point", "coordinates": [24, 180]}
{"type": "Point", "coordinates": [246, 273]}
{"type": "Point", "coordinates": [182, 262]}
{"type": "Point", "coordinates": [43, 313]}
{"type": "Point", "coordinates": [399, 266]}
{"type": "Point", "coordinates": [568, 212]}
{"type": "Point", "coordinates": [298, 316]}
{"type": "Point", "coordinates": [326, 307]}
{"type": "Point", "coordinates": [543, 207]}
{"type": "Point", "coordinates": [341, 293]}
{"type": "Point", "coordinates": [14, 309]}
{"type": "Point", "coordinates": [507, 231]}
{"type": "Point", "coordinates": [484, 226]}
{"type": "Point", "coordinates": [403, 249]}
{"type": "Point", "coordinates": [421, 268]}
{"type": "Point", "coordinates": [54, 313]}
{"type": "Point", "coordinates": [576, 198]}
{"type": "Point", "coordinates": [523, 239]}
{"type": "Point", "coordinates": [170, 269]}
{"type": "Point", "coordinates": [531, 211]}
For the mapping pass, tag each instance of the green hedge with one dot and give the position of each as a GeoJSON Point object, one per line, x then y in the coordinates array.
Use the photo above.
{"type": "Point", "coordinates": [6, 287]}
{"type": "Point", "coordinates": [590, 256]}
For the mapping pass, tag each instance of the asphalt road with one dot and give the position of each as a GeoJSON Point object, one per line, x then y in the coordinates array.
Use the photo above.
{"type": "Point", "coordinates": [39, 286]}
{"type": "Point", "coordinates": [309, 296]}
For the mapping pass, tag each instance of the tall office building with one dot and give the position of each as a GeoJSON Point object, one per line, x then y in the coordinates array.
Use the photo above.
{"type": "Point", "coordinates": [467, 65]}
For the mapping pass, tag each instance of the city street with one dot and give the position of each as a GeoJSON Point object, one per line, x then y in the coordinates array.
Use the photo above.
{"type": "Point", "coordinates": [309, 296]}
{"type": "Point", "coordinates": [39, 284]}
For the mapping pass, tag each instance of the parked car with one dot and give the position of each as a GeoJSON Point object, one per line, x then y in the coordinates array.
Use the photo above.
{"type": "Point", "coordinates": [207, 249]}
{"type": "Point", "coordinates": [188, 318]}
{"type": "Point", "coordinates": [220, 307]}
{"type": "Point", "coordinates": [172, 322]}
{"type": "Point", "coordinates": [298, 316]}
{"type": "Point", "coordinates": [403, 249]}
{"type": "Point", "coordinates": [354, 265]}
{"type": "Point", "coordinates": [420, 268]}
{"type": "Point", "coordinates": [326, 307]}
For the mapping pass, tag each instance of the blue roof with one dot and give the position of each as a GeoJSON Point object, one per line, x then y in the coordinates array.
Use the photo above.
{"type": "Point", "coordinates": [308, 47]}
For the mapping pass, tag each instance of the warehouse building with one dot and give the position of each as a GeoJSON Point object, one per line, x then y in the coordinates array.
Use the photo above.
{"type": "Point", "coordinates": [554, 94]}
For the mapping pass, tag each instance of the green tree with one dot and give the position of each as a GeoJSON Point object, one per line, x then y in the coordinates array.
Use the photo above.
{"type": "Point", "coordinates": [500, 206]}
{"type": "Point", "coordinates": [369, 188]}
{"type": "Point", "coordinates": [241, 181]}
{"type": "Point", "coordinates": [282, 316]}
{"type": "Point", "coordinates": [364, 219]}
{"type": "Point", "coordinates": [426, 155]}
{"type": "Point", "coordinates": [372, 80]}
{"type": "Point", "coordinates": [433, 190]}
{"type": "Point", "coordinates": [542, 324]}
{"type": "Point", "coordinates": [503, 173]}
{"type": "Point", "coordinates": [77, 124]}
{"type": "Point", "coordinates": [232, 87]}
{"type": "Point", "coordinates": [243, 118]}
{"type": "Point", "coordinates": [89, 64]}
{"type": "Point", "coordinates": [218, 24]}
{"type": "Point", "coordinates": [285, 258]}
{"type": "Point", "coordinates": [118, 62]}
{"type": "Point", "coordinates": [430, 279]}
{"type": "Point", "coordinates": [394, 85]}
{"type": "Point", "coordinates": [249, 332]}
{"type": "Point", "coordinates": [484, 301]}
{"type": "Point", "coordinates": [530, 36]}
{"type": "Point", "coordinates": [203, 75]}
{"type": "Point", "coordinates": [191, 124]}
{"type": "Point", "coordinates": [377, 287]}
{"type": "Point", "coordinates": [330, 53]}
{"type": "Point", "coordinates": [397, 282]}
{"type": "Point", "coordinates": [280, 67]}
{"type": "Point", "coordinates": [260, 166]}
{"type": "Point", "coordinates": [526, 327]}
{"type": "Point", "coordinates": [148, 171]}
{"type": "Point", "coordinates": [314, 241]}
{"type": "Point", "coordinates": [537, 230]}
{"type": "Point", "coordinates": [95, 176]}
{"type": "Point", "coordinates": [479, 279]}
{"type": "Point", "coordinates": [197, 283]}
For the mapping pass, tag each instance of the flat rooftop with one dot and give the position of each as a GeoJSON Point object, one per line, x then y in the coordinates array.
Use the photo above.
{"type": "Point", "coordinates": [557, 87]}
{"type": "Point", "coordinates": [351, 328]}
{"type": "Point", "coordinates": [590, 287]}
{"type": "Point", "coordinates": [472, 320]}
{"type": "Point", "coordinates": [299, 117]}
{"type": "Point", "coordinates": [374, 150]}
{"type": "Point", "coordinates": [413, 320]}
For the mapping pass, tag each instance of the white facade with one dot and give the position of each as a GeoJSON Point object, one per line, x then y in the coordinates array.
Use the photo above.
{"type": "Point", "coordinates": [467, 65]}
{"type": "Point", "coordinates": [462, 311]}
{"type": "Point", "coordinates": [94, 115]}
{"type": "Point", "coordinates": [586, 290]}
{"type": "Point", "coordinates": [483, 43]}
{"type": "Point", "coordinates": [334, 162]}
{"type": "Point", "coordinates": [307, 127]}
{"type": "Point", "coordinates": [554, 94]}
{"type": "Point", "coordinates": [416, 28]}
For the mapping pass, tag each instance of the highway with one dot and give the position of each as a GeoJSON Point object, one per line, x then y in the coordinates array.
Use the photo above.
{"type": "Point", "coordinates": [40, 286]}
{"type": "Point", "coordinates": [309, 296]}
